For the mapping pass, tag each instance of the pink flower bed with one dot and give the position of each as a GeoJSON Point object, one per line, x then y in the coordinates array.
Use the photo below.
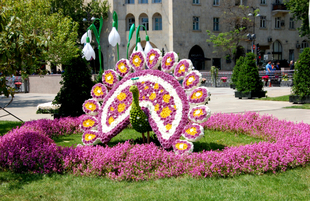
{"type": "Point", "coordinates": [287, 146]}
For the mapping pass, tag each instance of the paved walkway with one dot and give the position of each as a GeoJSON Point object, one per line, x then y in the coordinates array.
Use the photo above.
{"type": "Point", "coordinates": [222, 100]}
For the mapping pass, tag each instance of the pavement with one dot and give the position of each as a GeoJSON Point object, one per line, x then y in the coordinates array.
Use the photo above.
{"type": "Point", "coordinates": [24, 105]}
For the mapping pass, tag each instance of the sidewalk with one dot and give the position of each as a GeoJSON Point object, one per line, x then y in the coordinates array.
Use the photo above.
{"type": "Point", "coordinates": [222, 100]}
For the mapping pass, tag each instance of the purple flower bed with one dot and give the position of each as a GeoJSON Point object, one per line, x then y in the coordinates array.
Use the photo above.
{"type": "Point", "coordinates": [287, 146]}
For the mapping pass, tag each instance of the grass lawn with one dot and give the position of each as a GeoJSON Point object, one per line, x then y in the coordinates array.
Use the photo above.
{"type": "Point", "coordinates": [6, 126]}
{"type": "Point", "coordinates": [278, 98]}
{"type": "Point", "coordinates": [303, 106]}
{"type": "Point", "coordinates": [294, 184]}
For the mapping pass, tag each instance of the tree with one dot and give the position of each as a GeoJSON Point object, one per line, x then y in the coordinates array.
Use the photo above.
{"type": "Point", "coordinates": [236, 23]}
{"type": "Point", "coordinates": [299, 8]}
{"type": "Point", "coordinates": [301, 85]}
{"type": "Point", "coordinates": [30, 34]}
{"type": "Point", "coordinates": [235, 74]}
{"type": "Point", "coordinates": [248, 77]}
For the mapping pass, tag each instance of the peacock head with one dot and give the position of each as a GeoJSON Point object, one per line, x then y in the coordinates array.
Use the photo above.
{"type": "Point", "coordinates": [133, 89]}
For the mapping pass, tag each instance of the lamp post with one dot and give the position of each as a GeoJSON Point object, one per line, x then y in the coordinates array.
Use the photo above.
{"type": "Point", "coordinates": [252, 37]}
{"type": "Point", "coordinates": [97, 34]}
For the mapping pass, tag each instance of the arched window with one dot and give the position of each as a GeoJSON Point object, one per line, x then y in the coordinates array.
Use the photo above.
{"type": "Point", "coordinates": [157, 22]}
{"type": "Point", "coordinates": [277, 50]}
{"type": "Point", "coordinates": [304, 44]}
{"type": "Point", "coordinates": [196, 55]}
{"type": "Point", "coordinates": [130, 19]}
{"type": "Point", "coordinates": [144, 20]}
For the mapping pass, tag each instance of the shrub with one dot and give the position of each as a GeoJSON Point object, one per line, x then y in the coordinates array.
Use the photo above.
{"type": "Point", "coordinates": [76, 87]}
{"type": "Point", "coordinates": [301, 85]}
{"type": "Point", "coordinates": [248, 77]}
{"type": "Point", "coordinates": [236, 70]}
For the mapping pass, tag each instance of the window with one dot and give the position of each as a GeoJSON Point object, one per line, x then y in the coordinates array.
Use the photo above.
{"type": "Point", "coordinates": [130, 20]}
{"type": "Point", "coordinates": [240, 2]}
{"type": "Point", "coordinates": [196, 1]}
{"type": "Point", "coordinates": [278, 1]}
{"type": "Point", "coordinates": [291, 55]}
{"type": "Point", "coordinates": [145, 22]}
{"type": "Point", "coordinates": [304, 44]}
{"type": "Point", "coordinates": [263, 22]}
{"type": "Point", "coordinates": [277, 50]}
{"type": "Point", "coordinates": [216, 2]}
{"type": "Point", "coordinates": [216, 26]}
{"type": "Point", "coordinates": [143, 1]}
{"type": "Point", "coordinates": [277, 22]}
{"type": "Point", "coordinates": [156, 1]}
{"type": "Point", "coordinates": [217, 63]}
{"type": "Point", "coordinates": [263, 2]}
{"type": "Point", "coordinates": [195, 23]}
{"type": "Point", "coordinates": [157, 22]}
{"type": "Point", "coordinates": [130, 1]}
{"type": "Point", "coordinates": [292, 24]}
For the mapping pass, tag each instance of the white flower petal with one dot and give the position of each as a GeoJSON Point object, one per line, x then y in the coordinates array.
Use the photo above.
{"type": "Point", "coordinates": [148, 47]}
{"type": "Point", "coordinates": [83, 39]}
{"type": "Point", "coordinates": [88, 52]}
{"type": "Point", "coordinates": [114, 37]}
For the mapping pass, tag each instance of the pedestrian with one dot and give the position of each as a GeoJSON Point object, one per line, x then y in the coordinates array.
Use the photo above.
{"type": "Point", "coordinates": [268, 68]}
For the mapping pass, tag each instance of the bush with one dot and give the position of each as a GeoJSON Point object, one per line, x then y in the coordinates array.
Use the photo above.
{"type": "Point", "coordinates": [76, 87]}
{"type": "Point", "coordinates": [301, 85]}
{"type": "Point", "coordinates": [248, 77]}
{"type": "Point", "coordinates": [236, 70]}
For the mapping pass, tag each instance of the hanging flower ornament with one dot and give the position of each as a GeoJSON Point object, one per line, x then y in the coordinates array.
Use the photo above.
{"type": "Point", "coordinates": [148, 45]}
{"type": "Point", "coordinates": [109, 78]}
{"type": "Point", "coordinates": [199, 96]}
{"type": "Point", "coordinates": [193, 132]}
{"type": "Point", "coordinates": [169, 61]}
{"type": "Point", "coordinates": [182, 69]}
{"type": "Point", "coordinates": [99, 91]}
{"type": "Point", "coordinates": [123, 67]}
{"type": "Point", "coordinates": [114, 37]}
{"type": "Point", "coordinates": [181, 147]}
{"type": "Point", "coordinates": [88, 51]}
{"type": "Point", "coordinates": [88, 122]}
{"type": "Point", "coordinates": [153, 59]}
{"type": "Point", "coordinates": [192, 80]}
{"type": "Point", "coordinates": [91, 107]}
{"type": "Point", "coordinates": [88, 33]}
{"type": "Point", "coordinates": [137, 61]}
{"type": "Point", "coordinates": [199, 114]}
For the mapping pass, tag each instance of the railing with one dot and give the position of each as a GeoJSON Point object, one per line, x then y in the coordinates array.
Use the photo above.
{"type": "Point", "coordinates": [286, 80]}
{"type": "Point", "coordinates": [279, 7]}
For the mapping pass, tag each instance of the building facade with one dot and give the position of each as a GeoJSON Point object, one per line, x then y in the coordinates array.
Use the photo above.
{"type": "Point", "coordinates": [180, 26]}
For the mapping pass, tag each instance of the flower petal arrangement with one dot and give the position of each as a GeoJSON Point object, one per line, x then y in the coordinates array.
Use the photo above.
{"type": "Point", "coordinates": [91, 107]}
{"type": "Point", "coordinates": [193, 132]}
{"type": "Point", "coordinates": [123, 67]}
{"type": "Point", "coordinates": [88, 122]}
{"type": "Point", "coordinates": [199, 114]}
{"type": "Point", "coordinates": [192, 80]}
{"type": "Point", "coordinates": [182, 69]}
{"type": "Point", "coordinates": [199, 96]}
{"type": "Point", "coordinates": [90, 137]}
{"type": "Point", "coordinates": [109, 78]}
{"type": "Point", "coordinates": [169, 62]}
{"type": "Point", "coordinates": [181, 147]}
{"type": "Point", "coordinates": [137, 61]}
{"type": "Point", "coordinates": [153, 59]}
{"type": "Point", "coordinates": [99, 91]}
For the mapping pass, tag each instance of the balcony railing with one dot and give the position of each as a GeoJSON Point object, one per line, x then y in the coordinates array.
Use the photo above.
{"type": "Point", "coordinates": [279, 7]}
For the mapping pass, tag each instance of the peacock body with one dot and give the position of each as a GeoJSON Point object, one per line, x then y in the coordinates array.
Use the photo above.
{"type": "Point", "coordinates": [156, 101]}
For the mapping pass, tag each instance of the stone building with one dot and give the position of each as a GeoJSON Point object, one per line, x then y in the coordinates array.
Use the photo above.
{"type": "Point", "coordinates": [180, 26]}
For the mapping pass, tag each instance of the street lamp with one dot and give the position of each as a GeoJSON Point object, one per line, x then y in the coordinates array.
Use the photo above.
{"type": "Point", "coordinates": [252, 37]}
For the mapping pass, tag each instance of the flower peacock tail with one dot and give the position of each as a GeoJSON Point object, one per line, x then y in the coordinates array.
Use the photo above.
{"type": "Point", "coordinates": [174, 110]}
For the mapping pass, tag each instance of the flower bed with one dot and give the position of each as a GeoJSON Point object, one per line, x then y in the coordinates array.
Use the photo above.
{"type": "Point", "coordinates": [287, 146]}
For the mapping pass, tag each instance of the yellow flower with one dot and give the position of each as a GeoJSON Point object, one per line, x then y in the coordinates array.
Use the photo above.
{"type": "Point", "coordinates": [168, 61]}
{"type": "Point", "coordinates": [122, 68]}
{"type": "Point", "coordinates": [98, 91]}
{"type": "Point", "coordinates": [109, 78]}
{"type": "Point", "coordinates": [121, 96]}
{"type": "Point", "coordinates": [88, 123]}
{"type": "Point", "coordinates": [111, 119]}
{"type": "Point", "coordinates": [156, 107]}
{"type": "Point", "coordinates": [89, 137]}
{"type": "Point", "coordinates": [112, 109]}
{"type": "Point", "coordinates": [156, 86]}
{"type": "Point", "coordinates": [142, 82]}
{"type": "Point", "coordinates": [161, 91]}
{"type": "Point", "coordinates": [191, 131]}
{"type": "Point", "coordinates": [146, 87]}
{"type": "Point", "coordinates": [165, 112]}
{"type": "Point", "coordinates": [181, 146]}
{"type": "Point", "coordinates": [152, 56]}
{"type": "Point", "coordinates": [198, 113]}
{"type": "Point", "coordinates": [143, 97]}
{"type": "Point", "coordinates": [175, 107]}
{"type": "Point", "coordinates": [181, 69]}
{"type": "Point", "coordinates": [90, 106]}
{"type": "Point", "coordinates": [166, 98]}
{"type": "Point", "coordinates": [197, 95]}
{"type": "Point", "coordinates": [121, 107]}
{"type": "Point", "coordinates": [152, 96]}
{"type": "Point", "coordinates": [168, 126]}
{"type": "Point", "coordinates": [136, 61]}
{"type": "Point", "coordinates": [190, 80]}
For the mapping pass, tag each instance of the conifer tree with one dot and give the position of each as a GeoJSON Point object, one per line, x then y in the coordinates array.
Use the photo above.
{"type": "Point", "coordinates": [236, 70]}
{"type": "Point", "coordinates": [248, 77]}
{"type": "Point", "coordinates": [301, 85]}
{"type": "Point", "coordinates": [76, 86]}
